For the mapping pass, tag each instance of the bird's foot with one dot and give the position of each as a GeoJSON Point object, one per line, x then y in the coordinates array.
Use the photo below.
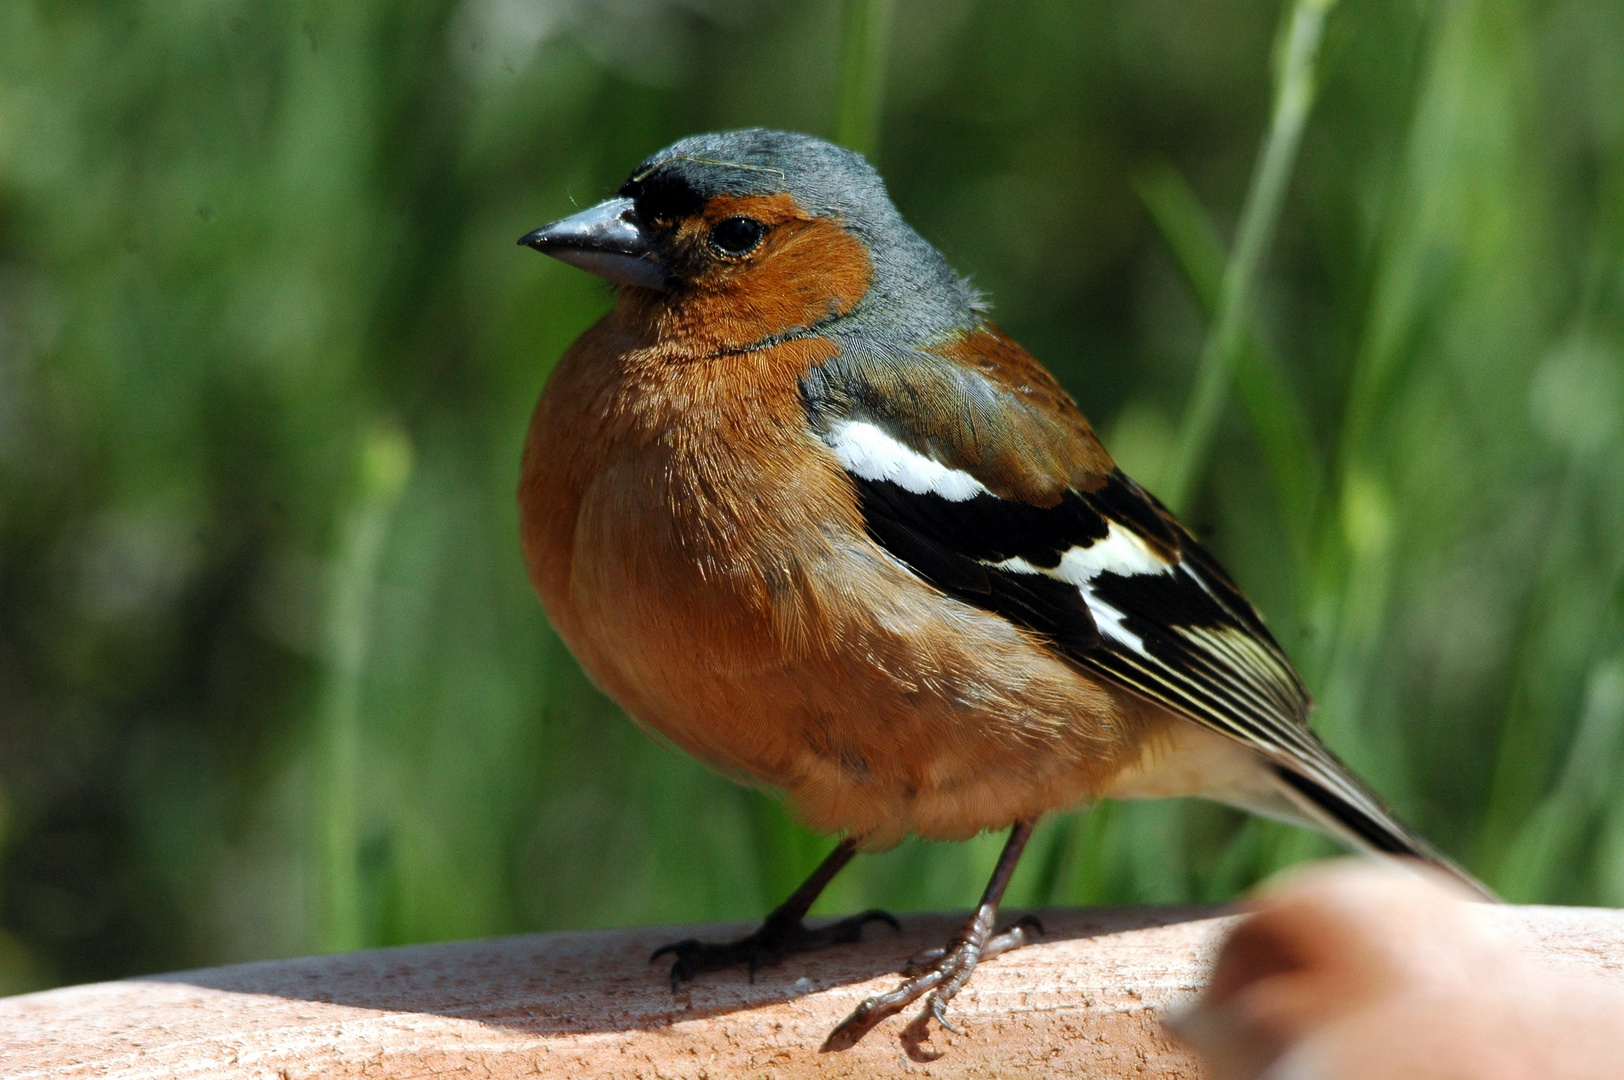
{"type": "Point", "coordinates": [936, 975]}
{"type": "Point", "coordinates": [767, 947]}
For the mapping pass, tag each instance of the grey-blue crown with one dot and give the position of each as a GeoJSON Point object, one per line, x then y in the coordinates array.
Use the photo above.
{"type": "Point", "coordinates": [914, 289]}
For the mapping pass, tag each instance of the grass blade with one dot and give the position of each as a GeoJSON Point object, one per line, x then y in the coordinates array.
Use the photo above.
{"type": "Point", "coordinates": [1279, 421]}
{"type": "Point", "coordinates": [1293, 100]}
{"type": "Point", "coordinates": [386, 462]}
{"type": "Point", "coordinates": [865, 33]}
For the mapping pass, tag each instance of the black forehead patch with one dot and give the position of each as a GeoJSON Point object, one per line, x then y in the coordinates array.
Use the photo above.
{"type": "Point", "coordinates": [663, 195]}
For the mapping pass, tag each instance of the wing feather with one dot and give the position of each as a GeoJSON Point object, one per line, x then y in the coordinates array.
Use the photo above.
{"type": "Point", "coordinates": [1076, 551]}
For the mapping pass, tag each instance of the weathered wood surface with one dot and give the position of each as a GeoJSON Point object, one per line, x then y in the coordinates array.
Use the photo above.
{"type": "Point", "coordinates": [1085, 1001]}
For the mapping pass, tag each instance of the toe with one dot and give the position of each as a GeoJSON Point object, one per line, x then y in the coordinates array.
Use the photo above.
{"type": "Point", "coordinates": [921, 962]}
{"type": "Point", "coordinates": [938, 1010]}
{"type": "Point", "coordinates": [677, 948]}
{"type": "Point", "coordinates": [850, 930]}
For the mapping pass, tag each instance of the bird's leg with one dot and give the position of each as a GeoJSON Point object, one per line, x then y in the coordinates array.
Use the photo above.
{"type": "Point", "coordinates": [781, 934]}
{"type": "Point", "coordinates": [940, 973]}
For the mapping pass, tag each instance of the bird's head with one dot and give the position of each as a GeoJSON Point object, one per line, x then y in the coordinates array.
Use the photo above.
{"type": "Point", "coordinates": [759, 235]}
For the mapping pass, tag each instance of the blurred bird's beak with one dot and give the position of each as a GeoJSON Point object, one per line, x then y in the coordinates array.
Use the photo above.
{"type": "Point", "coordinates": [606, 240]}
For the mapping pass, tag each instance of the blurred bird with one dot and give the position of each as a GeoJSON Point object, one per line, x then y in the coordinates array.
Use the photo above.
{"type": "Point", "coordinates": [798, 506]}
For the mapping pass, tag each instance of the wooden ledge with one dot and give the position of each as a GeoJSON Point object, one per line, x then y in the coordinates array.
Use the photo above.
{"type": "Point", "coordinates": [1085, 1001]}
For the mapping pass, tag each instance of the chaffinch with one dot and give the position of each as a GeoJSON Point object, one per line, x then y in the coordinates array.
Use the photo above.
{"type": "Point", "coordinates": [796, 504]}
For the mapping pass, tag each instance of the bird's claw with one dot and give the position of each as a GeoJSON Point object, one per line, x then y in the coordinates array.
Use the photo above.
{"type": "Point", "coordinates": [940, 973]}
{"type": "Point", "coordinates": [938, 1009]}
{"type": "Point", "coordinates": [767, 947]}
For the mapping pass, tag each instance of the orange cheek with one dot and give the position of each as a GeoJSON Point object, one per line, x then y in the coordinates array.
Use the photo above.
{"type": "Point", "coordinates": [809, 269]}
{"type": "Point", "coordinates": [806, 270]}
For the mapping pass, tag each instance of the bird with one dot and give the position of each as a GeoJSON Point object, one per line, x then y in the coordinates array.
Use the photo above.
{"type": "Point", "coordinates": [803, 510]}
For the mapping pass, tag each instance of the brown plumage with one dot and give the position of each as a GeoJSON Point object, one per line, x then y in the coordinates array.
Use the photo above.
{"type": "Point", "coordinates": [705, 558]}
{"type": "Point", "coordinates": [799, 507]}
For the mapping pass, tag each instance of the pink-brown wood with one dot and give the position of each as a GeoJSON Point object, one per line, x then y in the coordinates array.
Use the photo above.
{"type": "Point", "coordinates": [1085, 1001]}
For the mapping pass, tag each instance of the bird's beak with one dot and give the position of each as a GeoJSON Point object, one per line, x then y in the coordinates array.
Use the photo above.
{"type": "Point", "coordinates": [607, 240]}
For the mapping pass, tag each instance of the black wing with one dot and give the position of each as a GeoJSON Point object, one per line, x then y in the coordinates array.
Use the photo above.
{"type": "Point", "coordinates": [1116, 584]}
{"type": "Point", "coordinates": [1074, 550]}
{"type": "Point", "coordinates": [1119, 586]}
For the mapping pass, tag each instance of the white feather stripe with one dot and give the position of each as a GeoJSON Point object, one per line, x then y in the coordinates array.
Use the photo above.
{"type": "Point", "coordinates": [1220, 686]}
{"type": "Point", "coordinates": [1225, 656]}
{"type": "Point", "coordinates": [1238, 696]}
{"type": "Point", "coordinates": [1265, 677]}
{"type": "Point", "coordinates": [1122, 551]}
{"type": "Point", "coordinates": [1201, 580]}
{"type": "Point", "coordinates": [1107, 618]}
{"type": "Point", "coordinates": [866, 451]}
{"type": "Point", "coordinates": [1285, 742]}
{"type": "Point", "coordinates": [1247, 652]}
{"type": "Point", "coordinates": [1109, 621]}
{"type": "Point", "coordinates": [1300, 751]}
{"type": "Point", "coordinates": [1200, 698]}
{"type": "Point", "coordinates": [1186, 697]}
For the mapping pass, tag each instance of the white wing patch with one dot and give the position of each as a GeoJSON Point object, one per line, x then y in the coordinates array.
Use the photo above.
{"type": "Point", "coordinates": [1107, 618]}
{"type": "Point", "coordinates": [866, 451]}
{"type": "Point", "coordinates": [1120, 552]}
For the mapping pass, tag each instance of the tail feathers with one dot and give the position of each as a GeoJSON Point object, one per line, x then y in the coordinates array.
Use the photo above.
{"type": "Point", "coordinates": [1339, 804]}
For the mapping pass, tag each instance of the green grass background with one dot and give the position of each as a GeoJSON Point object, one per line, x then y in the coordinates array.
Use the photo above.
{"type": "Point", "coordinates": [271, 677]}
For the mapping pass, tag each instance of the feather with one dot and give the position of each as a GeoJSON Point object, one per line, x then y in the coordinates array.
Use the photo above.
{"type": "Point", "coordinates": [1086, 558]}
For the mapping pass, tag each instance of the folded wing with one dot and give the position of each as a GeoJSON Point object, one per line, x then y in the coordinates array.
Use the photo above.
{"type": "Point", "coordinates": [1080, 553]}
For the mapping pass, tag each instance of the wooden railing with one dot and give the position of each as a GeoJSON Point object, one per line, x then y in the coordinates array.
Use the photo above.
{"type": "Point", "coordinates": [1085, 1001]}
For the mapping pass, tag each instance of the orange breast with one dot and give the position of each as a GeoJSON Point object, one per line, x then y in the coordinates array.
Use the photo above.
{"type": "Point", "coordinates": [705, 559]}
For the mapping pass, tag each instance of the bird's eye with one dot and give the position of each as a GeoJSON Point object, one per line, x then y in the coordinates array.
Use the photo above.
{"type": "Point", "coordinates": [736, 235]}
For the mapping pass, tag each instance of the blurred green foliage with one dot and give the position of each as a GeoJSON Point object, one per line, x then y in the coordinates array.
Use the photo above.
{"type": "Point", "coordinates": [271, 677]}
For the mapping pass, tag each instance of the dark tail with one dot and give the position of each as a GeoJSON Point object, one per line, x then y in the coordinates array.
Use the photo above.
{"type": "Point", "coordinates": [1328, 792]}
